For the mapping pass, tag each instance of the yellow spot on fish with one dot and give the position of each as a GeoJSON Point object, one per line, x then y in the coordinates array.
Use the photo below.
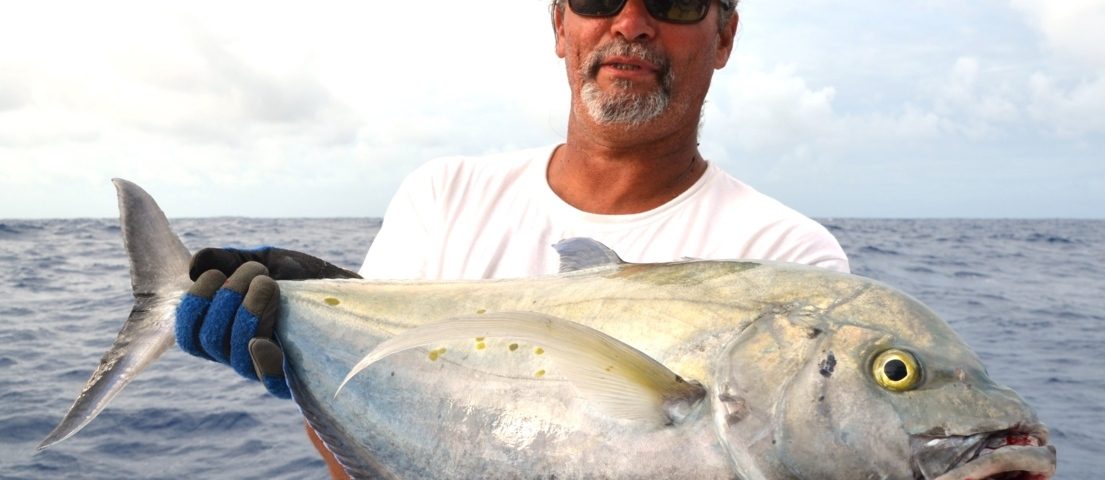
{"type": "Point", "coordinates": [609, 368]}
{"type": "Point", "coordinates": [513, 347]}
{"type": "Point", "coordinates": [539, 351]}
{"type": "Point", "coordinates": [480, 339]}
{"type": "Point", "coordinates": [480, 345]}
{"type": "Point", "coordinates": [481, 311]}
{"type": "Point", "coordinates": [331, 301]}
{"type": "Point", "coordinates": [539, 374]}
{"type": "Point", "coordinates": [436, 354]}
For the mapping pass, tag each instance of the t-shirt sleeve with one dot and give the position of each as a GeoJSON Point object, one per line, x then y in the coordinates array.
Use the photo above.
{"type": "Point", "coordinates": [795, 238]}
{"type": "Point", "coordinates": [821, 249]}
{"type": "Point", "coordinates": [400, 249]}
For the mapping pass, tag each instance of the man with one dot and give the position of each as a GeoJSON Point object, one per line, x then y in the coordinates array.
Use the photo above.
{"type": "Point", "coordinates": [629, 174]}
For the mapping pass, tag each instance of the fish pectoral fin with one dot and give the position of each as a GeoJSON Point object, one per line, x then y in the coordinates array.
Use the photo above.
{"type": "Point", "coordinates": [619, 379]}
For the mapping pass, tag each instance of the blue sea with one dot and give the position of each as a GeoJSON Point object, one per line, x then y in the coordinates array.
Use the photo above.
{"type": "Point", "coordinates": [1027, 295]}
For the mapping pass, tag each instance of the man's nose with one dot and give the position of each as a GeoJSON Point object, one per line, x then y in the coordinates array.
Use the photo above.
{"type": "Point", "coordinates": [634, 23]}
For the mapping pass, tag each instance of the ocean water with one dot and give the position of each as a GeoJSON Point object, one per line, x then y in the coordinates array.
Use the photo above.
{"type": "Point", "coordinates": [1027, 295]}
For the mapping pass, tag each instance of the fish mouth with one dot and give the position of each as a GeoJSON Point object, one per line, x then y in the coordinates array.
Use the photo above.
{"type": "Point", "coordinates": [1020, 453]}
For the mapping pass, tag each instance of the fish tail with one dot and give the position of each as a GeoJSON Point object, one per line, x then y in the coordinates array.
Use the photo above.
{"type": "Point", "coordinates": [159, 276]}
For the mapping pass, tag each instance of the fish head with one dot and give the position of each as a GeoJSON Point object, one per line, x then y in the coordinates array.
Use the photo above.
{"type": "Point", "coordinates": [877, 386]}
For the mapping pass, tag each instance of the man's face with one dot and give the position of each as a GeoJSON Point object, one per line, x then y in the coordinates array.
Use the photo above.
{"type": "Point", "coordinates": [631, 69]}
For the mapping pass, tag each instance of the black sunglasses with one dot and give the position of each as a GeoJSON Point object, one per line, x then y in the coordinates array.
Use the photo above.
{"type": "Point", "coordinates": [673, 11]}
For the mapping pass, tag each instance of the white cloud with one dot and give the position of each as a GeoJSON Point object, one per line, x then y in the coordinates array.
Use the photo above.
{"type": "Point", "coordinates": [981, 96]}
{"type": "Point", "coordinates": [13, 94]}
{"type": "Point", "coordinates": [1070, 101]}
{"type": "Point", "coordinates": [775, 119]}
{"type": "Point", "coordinates": [1071, 27]}
{"type": "Point", "coordinates": [1073, 111]}
{"type": "Point", "coordinates": [767, 109]}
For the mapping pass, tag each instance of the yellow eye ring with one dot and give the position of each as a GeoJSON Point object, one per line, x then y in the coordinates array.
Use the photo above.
{"type": "Point", "coordinates": [896, 370]}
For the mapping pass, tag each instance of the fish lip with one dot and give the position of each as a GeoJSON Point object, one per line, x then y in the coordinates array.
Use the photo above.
{"type": "Point", "coordinates": [1014, 462]}
{"type": "Point", "coordinates": [1017, 453]}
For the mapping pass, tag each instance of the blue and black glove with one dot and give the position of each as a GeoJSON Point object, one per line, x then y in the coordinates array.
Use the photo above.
{"type": "Point", "coordinates": [229, 314]}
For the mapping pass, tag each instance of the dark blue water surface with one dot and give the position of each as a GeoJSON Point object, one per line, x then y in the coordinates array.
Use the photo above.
{"type": "Point", "coordinates": [1027, 295]}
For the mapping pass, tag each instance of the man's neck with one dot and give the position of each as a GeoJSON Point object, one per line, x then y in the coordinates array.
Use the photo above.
{"type": "Point", "coordinates": [623, 178]}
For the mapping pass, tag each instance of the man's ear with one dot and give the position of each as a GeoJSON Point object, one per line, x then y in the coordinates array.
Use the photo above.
{"type": "Point", "coordinates": [726, 37]}
{"type": "Point", "coordinates": [558, 29]}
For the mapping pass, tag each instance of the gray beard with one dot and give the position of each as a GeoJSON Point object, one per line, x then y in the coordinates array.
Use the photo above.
{"type": "Point", "coordinates": [631, 109]}
{"type": "Point", "coordinates": [620, 106]}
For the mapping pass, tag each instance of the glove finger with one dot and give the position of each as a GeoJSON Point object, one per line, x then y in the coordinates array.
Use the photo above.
{"type": "Point", "coordinates": [207, 284]}
{"type": "Point", "coordinates": [215, 332]}
{"type": "Point", "coordinates": [263, 356]}
{"type": "Point", "coordinates": [222, 259]}
{"type": "Point", "coordinates": [255, 317]}
{"type": "Point", "coordinates": [192, 309]}
{"type": "Point", "coordinates": [292, 265]}
{"type": "Point", "coordinates": [268, 359]}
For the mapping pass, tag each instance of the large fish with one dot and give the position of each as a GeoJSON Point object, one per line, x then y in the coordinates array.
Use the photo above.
{"type": "Point", "coordinates": [694, 369]}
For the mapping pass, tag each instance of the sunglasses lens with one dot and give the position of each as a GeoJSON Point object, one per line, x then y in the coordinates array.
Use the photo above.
{"type": "Point", "coordinates": [596, 8]}
{"type": "Point", "coordinates": [678, 11]}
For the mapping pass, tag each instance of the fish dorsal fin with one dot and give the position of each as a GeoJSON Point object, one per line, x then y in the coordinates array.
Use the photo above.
{"type": "Point", "coordinates": [619, 379]}
{"type": "Point", "coordinates": [580, 253]}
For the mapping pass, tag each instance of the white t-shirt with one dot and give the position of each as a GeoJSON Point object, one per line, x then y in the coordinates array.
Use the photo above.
{"type": "Point", "coordinates": [496, 217]}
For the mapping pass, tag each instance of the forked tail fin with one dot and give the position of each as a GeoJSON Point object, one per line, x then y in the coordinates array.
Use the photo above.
{"type": "Point", "coordinates": [159, 276]}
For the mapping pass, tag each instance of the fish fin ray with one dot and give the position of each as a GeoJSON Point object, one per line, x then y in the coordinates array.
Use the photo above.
{"type": "Point", "coordinates": [619, 379]}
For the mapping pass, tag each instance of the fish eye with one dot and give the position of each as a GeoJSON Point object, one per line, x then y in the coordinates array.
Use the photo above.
{"type": "Point", "coordinates": [896, 370]}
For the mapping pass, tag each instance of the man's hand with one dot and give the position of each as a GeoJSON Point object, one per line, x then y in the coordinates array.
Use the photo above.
{"type": "Point", "coordinates": [229, 314]}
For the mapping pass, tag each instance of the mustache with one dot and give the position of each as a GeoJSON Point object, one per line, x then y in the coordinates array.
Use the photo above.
{"type": "Point", "coordinates": [623, 48]}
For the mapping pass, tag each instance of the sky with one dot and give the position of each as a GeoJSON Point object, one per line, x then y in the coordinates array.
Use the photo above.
{"type": "Point", "coordinates": [864, 108]}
